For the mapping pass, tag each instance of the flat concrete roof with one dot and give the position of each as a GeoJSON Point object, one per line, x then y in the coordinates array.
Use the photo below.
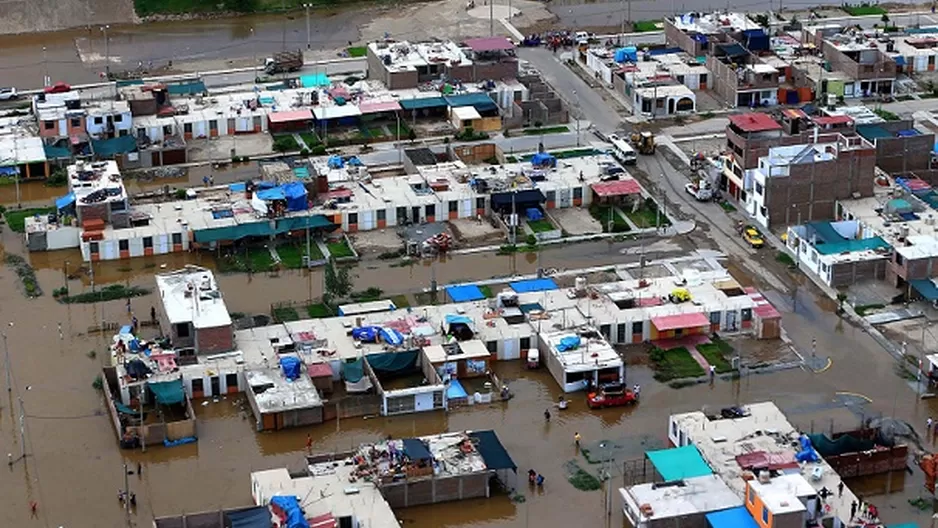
{"type": "Point", "coordinates": [273, 392]}
{"type": "Point", "coordinates": [693, 496]}
{"type": "Point", "coordinates": [471, 349]}
{"type": "Point", "coordinates": [782, 493]}
{"type": "Point", "coordinates": [191, 295]}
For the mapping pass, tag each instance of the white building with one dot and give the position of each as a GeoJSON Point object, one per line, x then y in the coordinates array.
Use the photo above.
{"type": "Point", "coordinates": [654, 505]}
{"type": "Point", "coordinates": [580, 358]}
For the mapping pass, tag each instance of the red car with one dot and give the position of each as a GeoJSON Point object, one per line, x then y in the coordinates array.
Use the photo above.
{"type": "Point", "coordinates": [59, 87]}
{"type": "Point", "coordinates": [611, 395]}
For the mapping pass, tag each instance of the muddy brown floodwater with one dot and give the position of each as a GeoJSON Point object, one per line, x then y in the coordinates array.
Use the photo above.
{"type": "Point", "coordinates": [74, 467]}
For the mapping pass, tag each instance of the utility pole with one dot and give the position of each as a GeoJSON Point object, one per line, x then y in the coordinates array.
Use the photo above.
{"type": "Point", "coordinates": [143, 438]}
{"type": "Point", "coordinates": [6, 352]}
{"type": "Point", "coordinates": [45, 68]}
{"type": "Point", "coordinates": [307, 6]}
{"type": "Point", "coordinates": [126, 493]}
{"type": "Point", "coordinates": [283, 9]}
{"type": "Point", "coordinates": [491, 18]}
{"type": "Point", "coordinates": [107, 52]}
{"type": "Point", "coordinates": [22, 429]}
{"type": "Point", "coordinates": [628, 4]}
{"type": "Point", "coordinates": [254, 49]}
{"type": "Point", "coordinates": [577, 116]}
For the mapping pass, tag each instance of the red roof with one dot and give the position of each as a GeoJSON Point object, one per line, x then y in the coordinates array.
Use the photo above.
{"type": "Point", "coordinates": [764, 460]}
{"type": "Point", "coordinates": [621, 187]}
{"type": "Point", "coordinates": [294, 115]}
{"type": "Point", "coordinates": [379, 106]}
{"type": "Point", "coordinates": [673, 322]}
{"type": "Point", "coordinates": [754, 122]}
{"type": "Point", "coordinates": [763, 308]}
{"type": "Point", "coordinates": [833, 120]}
{"type": "Point", "coordinates": [319, 370]}
{"type": "Point", "coordinates": [793, 113]}
{"type": "Point", "coordinates": [336, 194]}
{"type": "Point", "coordinates": [489, 44]}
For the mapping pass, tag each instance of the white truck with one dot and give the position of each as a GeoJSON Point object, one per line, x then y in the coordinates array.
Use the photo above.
{"type": "Point", "coordinates": [622, 151]}
{"type": "Point", "coordinates": [701, 190]}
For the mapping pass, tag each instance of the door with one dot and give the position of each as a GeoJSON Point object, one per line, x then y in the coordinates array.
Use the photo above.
{"type": "Point", "coordinates": [231, 383]}
{"type": "Point", "coordinates": [216, 389]}
{"type": "Point", "coordinates": [198, 390]}
{"type": "Point", "coordinates": [566, 198]}
{"type": "Point", "coordinates": [415, 215]}
{"type": "Point", "coordinates": [511, 350]}
{"type": "Point", "coordinates": [423, 402]}
{"type": "Point", "coordinates": [731, 318]}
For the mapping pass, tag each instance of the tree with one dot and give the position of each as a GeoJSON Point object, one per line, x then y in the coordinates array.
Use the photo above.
{"type": "Point", "coordinates": [338, 282]}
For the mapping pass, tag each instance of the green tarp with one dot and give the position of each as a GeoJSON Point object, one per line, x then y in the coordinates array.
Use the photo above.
{"type": "Point", "coordinates": [844, 444]}
{"type": "Point", "coordinates": [262, 228]}
{"type": "Point", "coordinates": [106, 148]}
{"type": "Point", "coordinates": [302, 222]}
{"type": "Point", "coordinates": [393, 362]}
{"type": "Point", "coordinates": [192, 88]}
{"type": "Point", "coordinates": [168, 392]}
{"type": "Point", "coordinates": [353, 371]}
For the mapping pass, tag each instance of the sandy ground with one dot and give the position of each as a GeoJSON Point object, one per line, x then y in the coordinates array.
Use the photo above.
{"type": "Point", "coordinates": [472, 232]}
{"type": "Point", "coordinates": [576, 221]}
{"type": "Point", "coordinates": [17, 16]}
{"type": "Point", "coordinates": [376, 241]}
{"type": "Point", "coordinates": [220, 149]}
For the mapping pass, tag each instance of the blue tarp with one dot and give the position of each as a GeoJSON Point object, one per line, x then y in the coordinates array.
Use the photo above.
{"type": "Point", "coordinates": [335, 162]}
{"type": "Point", "coordinates": [394, 363]}
{"type": "Point", "coordinates": [256, 517]}
{"type": "Point", "coordinates": [926, 288]}
{"type": "Point", "coordinates": [290, 506]}
{"type": "Point", "coordinates": [478, 100]}
{"type": "Point", "coordinates": [180, 441]}
{"type": "Point", "coordinates": [415, 450]}
{"type": "Point", "coordinates": [315, 80]}
{"type": "Point", "coordinates": [123, 409]}
{"type": "Point", "coordinates": [353, 371]}
{"type": "Point", "coordinates": [807, 453]}
{"type": "Point", "coordinates": [368, 334]}
{"type": "Point", "coordinates": [301, 173]}
{"type": "Point", "coordinates": [272, 194]}
{"type": "Point", "coordinates": [737, 517]}
{"type": "Point", "coordinates": [519, 200]}
{"type": "Point", "coordinates": [533, 213]}
{"type": "Point", "coordinates": [65, 201]}
{"type": "Point", "coordinates": [238, 187]}
{"type": "Point", "coordinates": [493, 452]}
{"type": "Point", "coordinates": [908, 133]}
{"type": "Point", "coordinates": [422, 103]}
{"type": "Point", "coordinates": [168, 392]}
{"type": "Point", "coordinates": [543, 159]}
{"type": "Point", "coordinates": [469, 292]}
{"type": "Point", "coordinates": [290, 366]}
{"type": "Point", "coordinates": [568, 343]}
{"type": "Point", "coordinates": [533, 285]}
{"type": "Point", "coordinates": [452, 319]}
{"type": "Point", "coordinates": [900, 60]}
{"type": "Point", "coordinates": [626, 54]}
{"type": "Point", "coordinates": [9, 171]}
{"type": "Point", "coordinates": [669, 51]}
{"type": "Point", "coordinates": [295, 194]}
{"type": "Point", "coordinates": [455, 390]}
{"type": "Point", "coordinates": [391, 336]}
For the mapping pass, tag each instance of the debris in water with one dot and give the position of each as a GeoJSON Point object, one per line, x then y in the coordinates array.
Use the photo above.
{"type": "Point", "coordinates": [204, 403]}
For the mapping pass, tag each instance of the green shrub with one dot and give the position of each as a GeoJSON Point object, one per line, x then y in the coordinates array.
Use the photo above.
{"type": "Point", "coordinates": [531, 240]}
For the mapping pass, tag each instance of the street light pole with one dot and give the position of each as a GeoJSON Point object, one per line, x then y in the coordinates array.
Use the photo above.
{"type": "Point", "coordinates": [576, 109]}
{"type": "Point", "coordinates": [45, 68]}
{"type": "Point", "coordinates": [6, 352]}
{"type": "Point", "coordinates": [107, 52]}
{"type": "Point", "coordinates": [254, 50]}
{"type": "Point", "coordinates": [307, 6]}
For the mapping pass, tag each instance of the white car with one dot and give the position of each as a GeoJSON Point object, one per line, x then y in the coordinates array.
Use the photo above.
{"type": "Point", "coordinates": [7, 93]}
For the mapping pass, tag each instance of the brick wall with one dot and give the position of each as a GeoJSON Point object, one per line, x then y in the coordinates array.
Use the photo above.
{"type": "Point", "coordinates": [903, 154]}
{"type": "Point", "coordinates": [504, 69]}
{"type": "Point", "coordinates": [849, 273]}
{"type": "Point", "coordinates": [812, 189]}
{"type": "Point", "coordinates": [675, 37]}
{"type": "Point", "coordinates": [882, 67]}
{"type": "Point", "coordinates": [214, 340]}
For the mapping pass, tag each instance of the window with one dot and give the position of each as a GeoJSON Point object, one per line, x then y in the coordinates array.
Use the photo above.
{"type": "Point", "coordinates": [168, 130]}
{"type": "Point", "coordinates": [759, 188]}
{"type": "Point", "coordinates": [93, 247]}
{"type": "Point", "coordinates": [123, 245]}
{"type": "Point", "coordinates": [751, 496]}
{"type": "Point", "coordinates": [182, 329]}
{"type": "Point", "coordinates": [147, 242]}
{"type": "Point", "coordinates": [659, 103]}
{"type": "Point", "coordinates": [213, 125]}
{"type": "Point", "coordinates": [99, 120]}
{"type": "Point", "coordinates": [491, 346]}
{"type": "Point", "coordinates": [430, 210]}
{"type": "Point", "coordinates": [453, 207]}
{"type": "Point", "coordinates": [577, 193]}
{"type": "Point", "coordinates": [605, 330]}
{"type": "Point", "coordinates": [48, 125]}
{"type": "Point", "coordinates": [746, 314]}
{"type": "Point", "coordinates": [401, 214]}
{"type": "Point", "coordinates": [575, 377]}
{"type": "Point", "coordinates": [763, 211]}
{"type": "Point", "coordinates": [480, 203]}
{"type": "Point", "coordinates": [638, 327]}
{"type": "Point", "coordinates": [187, 128]}
{"type": "Point", "coordinates": [353, 218]}
{"type": "Point", "coordinates": [177, 238]}
{"type": "Point", "coordinates": [620, 333]}
{"type": "Point", "coordinates": [75, 121]}
{"type": "Point", "coordinates": [118, 118]}
{"type": "Point", "coordinates": [118, 205]}
{"type": "Point", "coordinates": [765, 515]}
{"type": "Point", "coordinates": [525, 343]}
{"type": "Point", "coordinates": [382, 215]}
{"type": "Point", "coordinates": [715, 318]}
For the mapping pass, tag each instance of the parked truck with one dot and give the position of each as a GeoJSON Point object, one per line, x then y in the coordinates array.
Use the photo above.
{"type": "Point", "coordinates": [284, 62]}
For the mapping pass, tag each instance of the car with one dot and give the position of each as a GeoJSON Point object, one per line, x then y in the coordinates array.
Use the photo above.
{"type": "Point", "coordinates": [611, 395]}
{"type": "Point", "coordinates": [8, 93]}
{"type": "Point", "coordinates": [753, 237]}
{"type": "Point", "coordinates": [59, 87]}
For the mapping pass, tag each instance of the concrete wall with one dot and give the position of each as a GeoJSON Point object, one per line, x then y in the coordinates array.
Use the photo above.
{"type": "Point", "coordinates": [436, 490]}
{"type": "Point", "coordinates": [675, 37]}
{"type": "Point", "coordinates": [876, 65]}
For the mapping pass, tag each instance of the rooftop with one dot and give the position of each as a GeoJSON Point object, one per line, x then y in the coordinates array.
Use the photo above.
{"type": "Point", "coordinates": [273, 392]}
{"type": "Point", "coordinates": [754, 122]}
{"type": "Point", "coordinates": [765, 428]}
{"type": "Point", "coordinates": [95, 182]}
{"type": "Point", "coordinates": [191, 295]}
{"type": "Point", "coordinates": [714, 23]}
{"type": "Point", "coordinates": [782, 493]}
{"type": "Point", "coordinates": [408, 56]}
{"type": "Point", "coordinates": [582, 350]}
{"type": "Point", "coordinates": [687, 497]}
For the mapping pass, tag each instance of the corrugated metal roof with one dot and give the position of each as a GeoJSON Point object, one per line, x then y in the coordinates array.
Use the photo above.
{"type": "Point", "coordinates": [674, 322]}
{"type": "Point", "coordinates": [621, 187]}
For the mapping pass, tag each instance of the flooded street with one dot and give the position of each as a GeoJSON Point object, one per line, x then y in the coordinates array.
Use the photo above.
{"type": "Point", "coordinates": [74, 465]}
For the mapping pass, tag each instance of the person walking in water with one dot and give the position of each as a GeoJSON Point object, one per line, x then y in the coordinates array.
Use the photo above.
{"type": "Point", "coordinates": [309, 444]}
{"type": "Point", "coordinates": [547, 415]}
{"type": "Point", "coordinates": [576, 438]}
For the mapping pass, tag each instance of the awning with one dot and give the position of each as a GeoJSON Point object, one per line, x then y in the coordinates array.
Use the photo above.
{"type": "Point", "coordinates": [415, 450]}
{"type": "Point", "coordinates": [289, 117]}
{"type": "Point", "coordinates": [679, 463]}
{"type": "Point", "coordinates": [926, 288]}
{"type": "Point", "coordinates": [900, 60]}
{"type": "Point", "coordinates": [65, 201]}
{"type": "Point", "coordinates": [423, 102]}
{"type": "Point", "coordinates": [480, 101]}
{"type": "Point", "coordinates": [493, 452]}
{"type": "Point", "coordinates": [168, 392]}
{"type": "Point", "coordinates": [674, 322]}
{"type": "Point", "coordinates": [623, 187]}
{"type": "Point", "coordinates": [336, 112]}
{"type": "Point", "coordinates": [502, 202]}
{"type": "Point", "coordinates": [375, 107]}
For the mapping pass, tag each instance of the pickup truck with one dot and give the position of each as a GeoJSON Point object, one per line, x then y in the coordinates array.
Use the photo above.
{"type": "Point", "coordinates": [701, 191]}
{"type": "Point", "coordinates": [284, 62]}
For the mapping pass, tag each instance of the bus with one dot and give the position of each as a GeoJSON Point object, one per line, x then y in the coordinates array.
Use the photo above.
{"type": "Point", "coordinates": [622, 151]}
